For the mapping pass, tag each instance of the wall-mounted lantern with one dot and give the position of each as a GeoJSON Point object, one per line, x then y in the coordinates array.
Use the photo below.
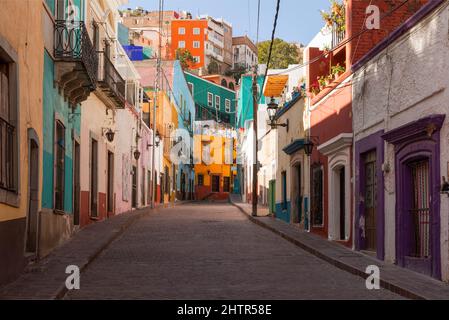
{"type": "Point", "coordinates": [445, 187]}
{"type": "Point", "coordinates": [136, 154]}
{"type": "Point", "coordinates": [109, 134]}
{"type": "Point", "coordinates": [309, 143]}
{"type": "Point", "coordinates": [272, 111]}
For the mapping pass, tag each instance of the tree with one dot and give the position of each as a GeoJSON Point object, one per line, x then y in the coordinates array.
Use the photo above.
{"type": "Point", "coordinates": [282, 55]}
{"type": "Point", "coordinates": [213, 67]}
{"type": "Point", "coordinates": [236, 72]}
{"type": "Point", "coordinates": [185, 58]}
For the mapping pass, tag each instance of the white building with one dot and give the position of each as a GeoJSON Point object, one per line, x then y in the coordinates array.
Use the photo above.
{"type": "Point", "coordinates": [401, 128]}
{"type": "Point", "coordinates": [245, 53]}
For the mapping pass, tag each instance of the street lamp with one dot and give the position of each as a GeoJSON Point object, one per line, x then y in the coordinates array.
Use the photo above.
{"type": "Point", "coordinates": [157, 139]}
{"type": "Point", "coordinates": [109, 134]}
{"type": "Point", "coordinates": [308, 147]}
{"type": "Point", "coordinates": [309, 143]}
{"type": "Point", "coordinates": [136, 154]}
{"type": "Point", "coordinates": [272, 111]}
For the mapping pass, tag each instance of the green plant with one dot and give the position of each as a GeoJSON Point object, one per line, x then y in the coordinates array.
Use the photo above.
{"type": "Point", "coordinates": [336, 16]}
{"type": "Point", "coordinates": [185, 58]}
{"type": "Point", "coordinates": [322, 81]}
{"type": "Point", "coordinates": [337, 69]}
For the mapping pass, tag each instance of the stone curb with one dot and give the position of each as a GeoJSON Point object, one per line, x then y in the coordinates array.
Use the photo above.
{"type": "Point", "coordinates": [343, 266]}
{"type": "Point", "coordinates": [84, 262]}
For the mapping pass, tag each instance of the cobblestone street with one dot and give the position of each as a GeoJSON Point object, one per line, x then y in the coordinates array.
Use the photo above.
{"type": "Point", "coordinates": [212, 251]}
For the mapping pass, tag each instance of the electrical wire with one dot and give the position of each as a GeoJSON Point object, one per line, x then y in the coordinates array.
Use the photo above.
{"type": "Point", "coordinates": [276, 16]}
{"type": "Point", "coordinates": [341, 44]}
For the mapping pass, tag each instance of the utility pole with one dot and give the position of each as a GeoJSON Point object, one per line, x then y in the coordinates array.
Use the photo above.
{"type": "Point", "coordinates": [256, 144]}
{"type": "Point", "coordinates": [156, 93]}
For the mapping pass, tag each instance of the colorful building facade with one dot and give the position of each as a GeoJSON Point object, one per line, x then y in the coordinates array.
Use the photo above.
{"type": "Point", "coordinates": [401, 147]}
{"type": "Point", "coordinates": [21, 142]}
{"type": "Point", "coordinates": [190, 35]}
{"type": "Point", "coordinates": [214, 156]}
{"type": "Point", "coordinates": [212, 101]}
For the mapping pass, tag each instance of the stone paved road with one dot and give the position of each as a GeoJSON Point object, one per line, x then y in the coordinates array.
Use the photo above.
{"type": "Point", "coordinates": [200, 251]}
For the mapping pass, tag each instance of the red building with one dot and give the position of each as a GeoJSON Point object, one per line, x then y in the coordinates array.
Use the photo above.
{"type": "Point", "coordinates": [329, 82]}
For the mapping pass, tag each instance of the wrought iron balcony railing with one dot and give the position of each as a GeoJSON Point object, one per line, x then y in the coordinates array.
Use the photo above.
{"type": "Point", "coordinates": [338, 35]}
{"type": "Point", "coordinates": [111, 80]}
{"type": "Point", "coordinates": [72, 43]}
{"type": "Point", "coordinates": [7, 156]}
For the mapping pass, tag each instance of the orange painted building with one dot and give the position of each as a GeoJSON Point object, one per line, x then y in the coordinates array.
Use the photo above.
{"type": "Point", "coordinates": [192, 36]}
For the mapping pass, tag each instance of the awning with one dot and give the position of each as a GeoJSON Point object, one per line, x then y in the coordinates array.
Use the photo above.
{"type": "Point", "coordinates": [275, 85]}
{"type": "Point", "coordinates": [294, 147]}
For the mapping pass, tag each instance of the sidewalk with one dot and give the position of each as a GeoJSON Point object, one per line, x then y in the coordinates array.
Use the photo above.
{"type": "Point", "coordinates": [396, 279]}
{"type": "Point", "coordinates": [45, 280]}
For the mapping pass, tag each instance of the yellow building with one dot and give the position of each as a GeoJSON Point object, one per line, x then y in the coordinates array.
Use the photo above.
{"type": "Point", "coordinates": [214, 158]}
{"type": "Point", "coordinates": [21, 90]}
{"type": "Point", "coordinates": [166, 124]}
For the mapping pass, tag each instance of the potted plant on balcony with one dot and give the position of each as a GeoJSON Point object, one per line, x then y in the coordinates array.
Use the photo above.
{"type": "Point", "coordinates": [322, 82]}
{"type": "Point", "coordinates": [315, 88]}
{"type": "Point", "coordinates": [338, 70]}
{"type": "Point", "coordinates": [336, 16]}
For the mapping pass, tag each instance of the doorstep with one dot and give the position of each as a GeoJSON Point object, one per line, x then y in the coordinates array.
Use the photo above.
{"type": "Point", "coordinates": [401, 281]}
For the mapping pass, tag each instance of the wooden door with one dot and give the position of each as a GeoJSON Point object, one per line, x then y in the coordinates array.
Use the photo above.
{"type": "Point", "coordinates": [370, 202]}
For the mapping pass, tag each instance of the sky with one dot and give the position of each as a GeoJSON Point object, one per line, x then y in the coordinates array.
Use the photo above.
{"type": "Point", "coordinates": [299, 20]}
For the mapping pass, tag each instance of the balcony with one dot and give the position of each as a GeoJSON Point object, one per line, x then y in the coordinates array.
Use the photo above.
{"type": "Point", "coordinates": [111, 84]}
{"type": "Point", "coordinates": [338, 35]}
{"type": "Point", "coordinates": [76, 61]}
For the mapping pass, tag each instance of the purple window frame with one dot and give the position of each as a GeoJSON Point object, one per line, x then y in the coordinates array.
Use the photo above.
{"type": "Point", "coordinates": [415, 141]}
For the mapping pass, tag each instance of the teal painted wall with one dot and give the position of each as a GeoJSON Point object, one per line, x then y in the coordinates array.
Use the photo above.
{"type": "Point", "coordinates": [202, 87]}
{"type": "Point", "coordinates": [186, 104]}
{"type": "Point", "coordinates": [53, 104]}
{"type": "Point", "coordinates": [123, 35]}
{"type": "Point", "coordinates": [79, 3]}
{"type": "Point", "coordinates": [245, 99]}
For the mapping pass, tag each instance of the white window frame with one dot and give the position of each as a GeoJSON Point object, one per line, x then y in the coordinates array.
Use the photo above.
{"type": "Point", "coordinates": [196, 44]}
{"type": "Point", "coordinates": [217, 105]}
{"type": "Point", "coordinates": [210, 99]}
{"type": "Point", "coordinates": [193, 88]}
{"type": "Point", "coordinates": [197, 59]}
{"type": "Point", "coordinates": [196, 31]}
{"type": "Point", "coordinates": [228, 105]}
{"type": "Point", "coordinates": [183, 44]}
{"type": "Point", "coordinates": [181, 30]}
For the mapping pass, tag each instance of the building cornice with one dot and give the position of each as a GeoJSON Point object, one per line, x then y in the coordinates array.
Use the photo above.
{"type": "Point", "coordinates": [342, 141]}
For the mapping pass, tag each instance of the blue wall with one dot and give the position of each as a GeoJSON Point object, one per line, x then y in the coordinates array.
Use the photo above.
{"type": "Point", "coordinates": [53, 103]}
{"type": "Point", "coordinates": [281, 214]}
{"type": "Point", "coordinates": [185, 105]}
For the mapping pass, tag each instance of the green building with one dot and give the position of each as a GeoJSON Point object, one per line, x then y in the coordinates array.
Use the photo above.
{"type": "Point", "coordinates": [245, 99]}
{"type": "Point", "coordinates": [212, 101]}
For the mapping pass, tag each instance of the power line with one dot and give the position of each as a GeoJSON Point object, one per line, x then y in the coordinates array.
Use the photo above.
{"type": "Point", "coordinates": [271, 46]}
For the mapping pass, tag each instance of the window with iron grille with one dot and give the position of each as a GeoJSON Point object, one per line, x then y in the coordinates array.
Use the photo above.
{"type": "Point", "coordinates": [317, 196]}
{"type": "Point", "coordinates": [226, 184]}
{"type": "Point", "coordinates": [8, 140]}
{"type": "Point", "coordinates": [59, 164]}
{"type": "Point", "coordinates": [201, 180]}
